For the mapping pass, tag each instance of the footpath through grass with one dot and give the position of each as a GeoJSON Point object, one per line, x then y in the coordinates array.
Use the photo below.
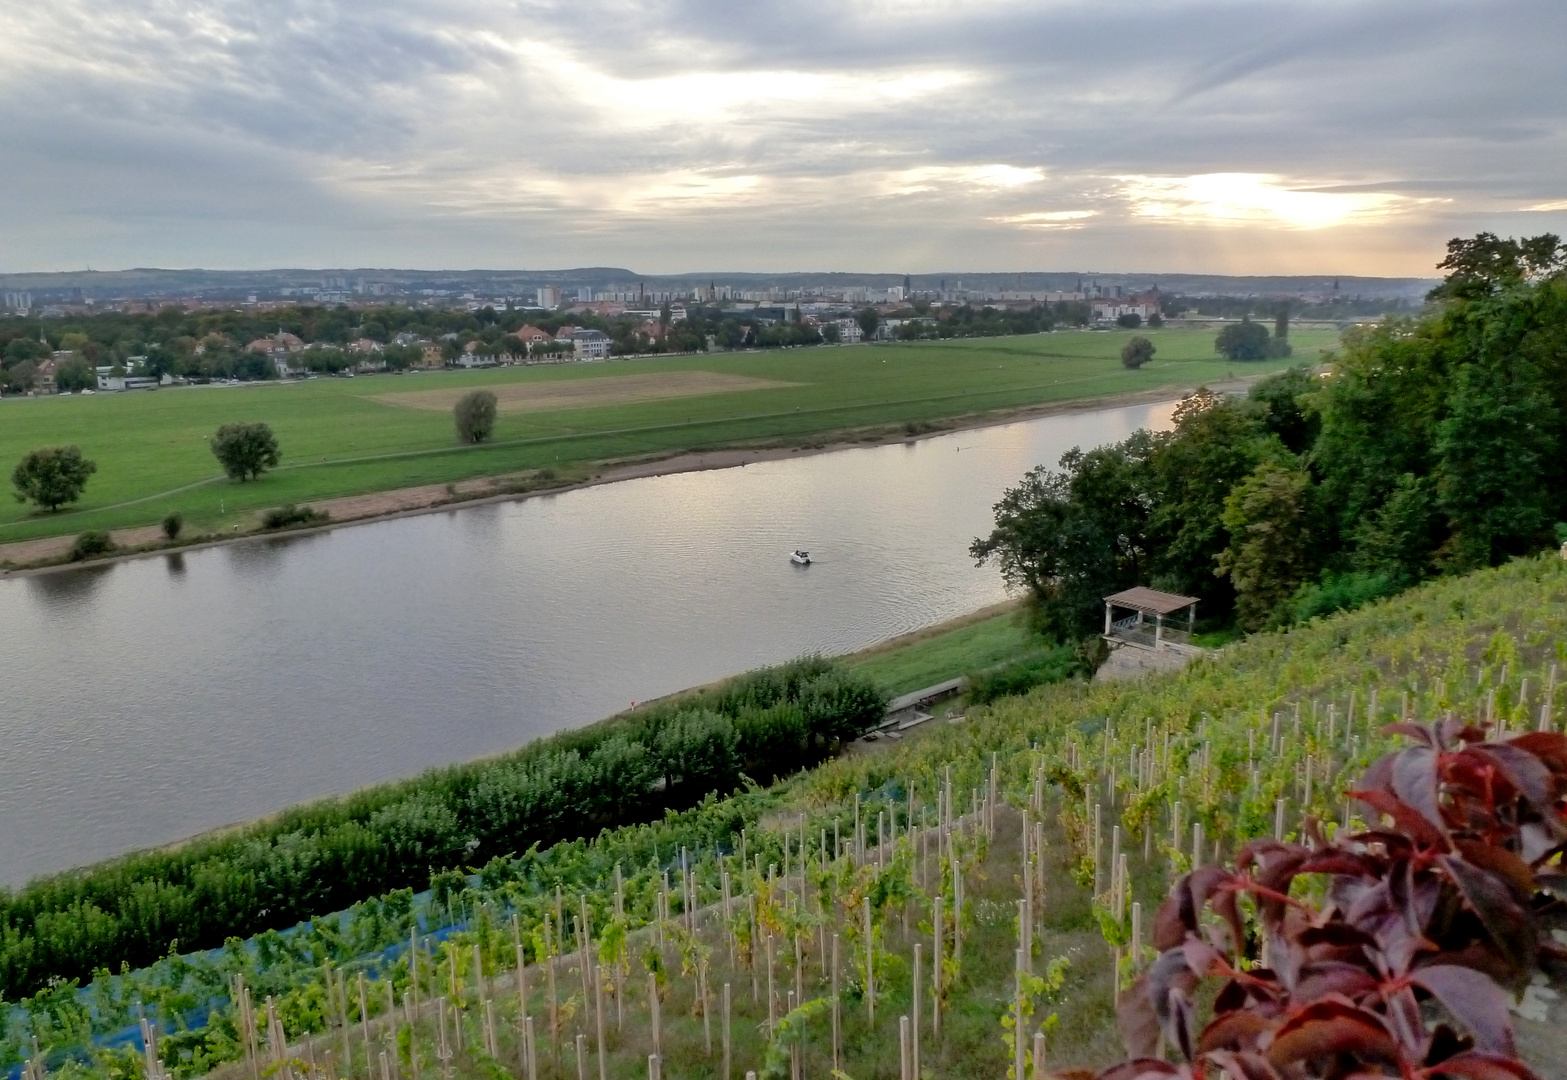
{"type": "Point", "coordinates": [341, 437]}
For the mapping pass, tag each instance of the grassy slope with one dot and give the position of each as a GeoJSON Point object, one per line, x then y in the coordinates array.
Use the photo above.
{"type": "Point", "coordinates": [338, 439]}
{"type": "Point", "coordinates": [945, 652]}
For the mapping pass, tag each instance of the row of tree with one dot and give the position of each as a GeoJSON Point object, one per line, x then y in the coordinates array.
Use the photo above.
{"type": "Point", "coordinates": [327, 855]}
{"type": "Point", "coordinates": [1431, 445]}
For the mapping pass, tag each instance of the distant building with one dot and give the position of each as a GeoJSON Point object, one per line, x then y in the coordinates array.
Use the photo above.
{"type": "Point", "coordinates": [849, 331]}
{"type": "Point", "coordinates": [531, 336]}
{"type": "Point", "coordinates": [585, 344]}
{"type": "Point", "coordinates": [549, 297]}
{"type": "Point", "coordinates": [280, 343]}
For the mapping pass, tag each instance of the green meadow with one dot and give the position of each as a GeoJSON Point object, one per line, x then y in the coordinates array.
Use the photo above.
{"type": "Point", "coordinates": [341, 437]}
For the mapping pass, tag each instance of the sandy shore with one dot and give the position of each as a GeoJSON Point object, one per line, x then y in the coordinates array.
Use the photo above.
{"type": "Point", "coordinates": [41, 556]}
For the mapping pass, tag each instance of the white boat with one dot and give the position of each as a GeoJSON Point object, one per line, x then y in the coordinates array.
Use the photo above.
{"type": "Point", "coordinates": [800, 558]}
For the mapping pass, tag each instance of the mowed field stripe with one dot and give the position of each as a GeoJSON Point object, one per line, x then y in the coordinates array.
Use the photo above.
{"type": "Point", "coordinates": [585, 393]}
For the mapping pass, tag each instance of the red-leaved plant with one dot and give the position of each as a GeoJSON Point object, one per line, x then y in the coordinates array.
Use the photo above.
{"type": "Point", "coordinates": [1407, 966]}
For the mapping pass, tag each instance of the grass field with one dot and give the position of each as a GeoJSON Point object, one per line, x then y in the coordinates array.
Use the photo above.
{"type": "Point", "coordinates": [944, 652]}
{"type": "Point", "coordinates": [350, 436]}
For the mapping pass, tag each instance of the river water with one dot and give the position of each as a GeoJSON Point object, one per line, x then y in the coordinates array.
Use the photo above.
{"type": "Point", "coordinates": [148, 700]}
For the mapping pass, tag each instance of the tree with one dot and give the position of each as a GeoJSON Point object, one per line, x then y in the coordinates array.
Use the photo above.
{"type": "Point", "coordinates": [173, 523]}
{"type": "Point", "coordinates": [52, 476]}
{"type": "Point", "coordinates": [1217, 442]}
{"type": "Point", "coordinates": [1266, 560]}
{"type": "Point", "coordinates": [868, 320]}
{"type": "Point", "coordinates": [1491, 452]}
{"type": "Point", "coordinates": [20, 378]}
{"type": "Point", "coordinates": [74, 375]}
{"type": "Point", "coordinates": [1071, 537]}
{"type": "Point", "coordinates": [1137, 352]}
{"type": "Point", "coordinates": [246, 450]}
{"type": "Point", "coordinates": [1488, 264]}
{"type": "Point", "coordinates": [475, 416]}
{"type": "Point", "coordinates": [1284, 400]}
{"type": "Point", "coordinates": [1129, 320]}
{"type": "Point", "coordinates": [1244, 340]}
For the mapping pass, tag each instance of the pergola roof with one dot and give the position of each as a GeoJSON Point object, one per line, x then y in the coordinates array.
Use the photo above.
{"type": "Point", "coordinates": [1150, 601]}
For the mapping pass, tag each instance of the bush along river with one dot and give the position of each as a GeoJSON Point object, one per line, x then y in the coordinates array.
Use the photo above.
{"type": "Point", "coordinates": [153, 699]}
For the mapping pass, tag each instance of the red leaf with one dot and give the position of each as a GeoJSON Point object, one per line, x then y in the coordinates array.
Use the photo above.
{"type": "Point", "coordinates": [1245, 1066]}
{"type": "Point", "coordinates": [1138, 1068]}
{"type": "Point", "coordinates": [1477, 1066]}
{"type": "Point", "coordinates": [1345, 863]}
{"type": "Point", "coordinates": [1550, 747]}
{"type": "Point", "coordinates": [1137, 1021]}
{"type": "Point", "coordinates": [1501, 863]}
{"type": "Point", "coordinates": [1474, 1000]}
{"type": "Point", "coordinates": [1170, 925]}
{"type": "Point", "coordinates": [1334, 977]}
{"type": "Point", "coordinates": [1415, 784]}
{"type": "Point", "coordinates": [1331, 1027]}
{"type": "Point", "coordinates": [1413, 731]}
{"type": "Point", "coordinates": [1511, 928]}
{"type": "Point", "coordinates": [1524, 771]}
{"type": "Point", "coordinates": [1233, 1031]}
{"type": "Point", "coordinates": [1404, 816]}
{"type": "Point", "coordinates": [1201, 957]}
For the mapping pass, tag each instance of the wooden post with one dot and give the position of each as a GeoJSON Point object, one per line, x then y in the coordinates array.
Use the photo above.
{"type": "Point", "coordinates": [938, 933]}
{"type": "Point", "coordinates": [904, 1062]}
{"type": "Point", "coordinates": [530, 1048]}
{"type": "Point", "coordinates": [582, 1056]}
{"type": "Point", "coordinates": [1039, 1056]}
{"type": "Point", "coordinates": [1017, 1027]}
{"type": "Point", "coordinates": [652, 1005]}
{"type": "Point", "coordinates": [728, 1045]}
{"type": "Point", "coordinates": [835, 1002]}
{"type": "Point", "coordinates": [598, 1006]}
{"type": "Point", "coordinates": [870, 965]}
{"type": "Point", "coordinates": [914, 1019]}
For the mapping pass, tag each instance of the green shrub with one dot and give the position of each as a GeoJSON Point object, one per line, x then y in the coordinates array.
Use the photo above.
{"type": "Point", "coordinates": [1022, 675]}
{"type": "Point", "coordinates": [173, 525]}
{"type": "Point", "coordinates": [90, 543]}
{"type": "Point", "coordinates": [293, 517]}
{"type": "Point", "coordinates": [1340, 592]}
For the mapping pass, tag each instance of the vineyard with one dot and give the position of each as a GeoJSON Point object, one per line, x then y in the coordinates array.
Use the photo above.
{"type": "Point", "coordinates": [972, 902]}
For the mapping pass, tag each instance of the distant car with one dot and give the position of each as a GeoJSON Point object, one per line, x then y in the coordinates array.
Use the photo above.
{"type": "Point", "coordinates": [89, 391]}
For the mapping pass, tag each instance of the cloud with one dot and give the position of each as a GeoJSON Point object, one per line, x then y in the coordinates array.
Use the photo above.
{"type": "Point", "coordinates": [814, 133]}
{"type": "Point", "coordinates": [1252, 199]}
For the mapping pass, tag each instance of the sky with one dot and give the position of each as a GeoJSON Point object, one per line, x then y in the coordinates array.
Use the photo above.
{"type": "Point", "coordinates": [920, 136]}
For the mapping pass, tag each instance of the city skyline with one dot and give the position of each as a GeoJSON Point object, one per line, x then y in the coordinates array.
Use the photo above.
{"type": "Point", "coordinates": [1197, 137]}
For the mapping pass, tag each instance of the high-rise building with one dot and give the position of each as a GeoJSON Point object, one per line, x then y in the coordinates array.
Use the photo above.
{"type": "Point", "coordinates": [549, 296]}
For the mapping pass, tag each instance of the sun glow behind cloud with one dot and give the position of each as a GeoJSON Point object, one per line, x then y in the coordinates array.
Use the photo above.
{"type": "Point", "coordinates": [1251, 199]}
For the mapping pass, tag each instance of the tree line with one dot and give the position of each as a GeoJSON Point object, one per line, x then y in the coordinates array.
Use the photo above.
{"type": "Point", "coordinates": [1431, 445]}
{"type": "Point", "coordinates": [326, 855]}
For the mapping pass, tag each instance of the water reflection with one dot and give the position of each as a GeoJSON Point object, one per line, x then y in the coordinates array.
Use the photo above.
{"type": "Point", "coordinates": [301, 666]}
{"type": "Point", "coordinates": [69, 587]}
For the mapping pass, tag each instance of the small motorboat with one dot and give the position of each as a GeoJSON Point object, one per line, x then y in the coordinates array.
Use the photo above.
{"type": "Point", "coordinates": [800, 558]}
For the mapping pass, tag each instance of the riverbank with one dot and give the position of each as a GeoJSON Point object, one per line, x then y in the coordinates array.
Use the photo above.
{"type": "Point", "coordinates": [343, 438]}
{"type": "Point", "coordinates": [53, 554]}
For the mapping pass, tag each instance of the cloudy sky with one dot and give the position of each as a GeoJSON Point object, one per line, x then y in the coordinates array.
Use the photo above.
{"type": "Point", "coordinates": [1226, 136]}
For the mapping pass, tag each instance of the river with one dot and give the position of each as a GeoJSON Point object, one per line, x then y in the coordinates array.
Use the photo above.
{"type": "Point", "coordinates": [152, 699]}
